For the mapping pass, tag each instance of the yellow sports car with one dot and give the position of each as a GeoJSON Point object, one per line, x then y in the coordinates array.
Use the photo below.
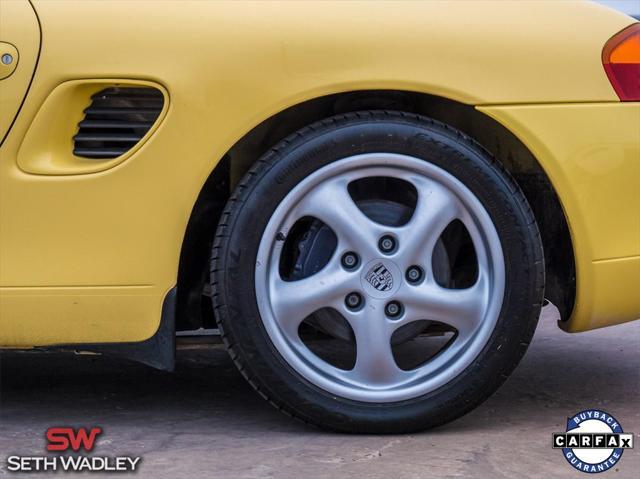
{"type": "Point", "coordinates": [367, 202]}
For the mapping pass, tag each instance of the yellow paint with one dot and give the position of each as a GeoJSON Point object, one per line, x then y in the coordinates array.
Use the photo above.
{"type": "Point", "coordinates": [87, 256]}
{"type": "Point", "coordinates": [77, 314]}
{"type": "Point", "coordinates": [20, 37]}
{"type": "Point", "coordinates": [591, 152]}
{"type": "Point", "coordinates": [47, 148]}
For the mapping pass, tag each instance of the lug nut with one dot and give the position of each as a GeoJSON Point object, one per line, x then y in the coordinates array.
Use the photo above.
{"type": "Point", "coordinates": [393, 309]}
{"type": "Point", "coordinates": [350, 260]}
{"type": "Point", "coordinates": [414, 274]}
{"type": "Point", "coordinates": [387, 244]}
{"type": "Point", "coordinates": [353, 301]}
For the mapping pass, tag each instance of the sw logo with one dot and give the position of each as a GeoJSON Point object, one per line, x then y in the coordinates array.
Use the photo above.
{"type": "Point", "coordinates": [68, 439]}
{"type": "Point", "coordinates": [593, 441]}
{"type": "Point", "coordinates": [65, 438]}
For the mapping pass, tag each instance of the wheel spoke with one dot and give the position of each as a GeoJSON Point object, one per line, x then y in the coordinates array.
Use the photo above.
{"type": "Point", "coordinates": [435, 209]}
{"type": "Point", "coordinates": [387, 295]}
{"type": "Point", "coordinates": [459, 308]}
{"type": "Point", "coordinates": [293, 301]}
{"type": "Point", "coordinates": [476, 239]}
{"type": "Point", "coordinates": [331, 203]}
{"type": "Point", "coordinates": [375, 365]}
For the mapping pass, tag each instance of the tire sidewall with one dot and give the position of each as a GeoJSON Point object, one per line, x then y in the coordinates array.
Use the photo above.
{"type": "Point", "coordinates": [281, 169]}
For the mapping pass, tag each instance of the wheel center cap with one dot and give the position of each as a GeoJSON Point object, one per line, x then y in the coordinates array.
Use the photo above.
{"type": "Point", "coordinates": [380, 278]}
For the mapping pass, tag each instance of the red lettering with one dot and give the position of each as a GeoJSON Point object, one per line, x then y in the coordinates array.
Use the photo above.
{"type": "Point", "coordinates": [63, 438]}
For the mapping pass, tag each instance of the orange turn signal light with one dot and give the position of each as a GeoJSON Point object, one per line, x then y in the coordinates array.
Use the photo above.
{"type": "Point", "coordinates": [621, 61]}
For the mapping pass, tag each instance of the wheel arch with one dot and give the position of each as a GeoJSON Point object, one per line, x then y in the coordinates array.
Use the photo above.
{"type": "Point", "coordinates": [193, 308]}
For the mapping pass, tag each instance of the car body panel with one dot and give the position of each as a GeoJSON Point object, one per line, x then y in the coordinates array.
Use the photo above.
{"type": "Point", "coordinates": [20, 32]}
{"type": "Point", "coordinates": [45, 148]}
{"type": "Point", "coordinates": [89, 256]}
{"type": "Point", "coordinates": [591, 152]}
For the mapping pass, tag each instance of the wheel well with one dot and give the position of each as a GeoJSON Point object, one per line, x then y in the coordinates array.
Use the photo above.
{"type": "Point", "coordinates": [193, 308]}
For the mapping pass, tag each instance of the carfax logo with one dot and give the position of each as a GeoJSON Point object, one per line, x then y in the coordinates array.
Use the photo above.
{"type": "Point", "coordinates": [593, 442]}
{"type": "Point", "coordinates": [67, 439]}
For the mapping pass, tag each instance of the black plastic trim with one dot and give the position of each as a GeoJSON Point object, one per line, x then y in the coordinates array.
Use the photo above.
{"type": "Point", "coordinates": [117, 119]}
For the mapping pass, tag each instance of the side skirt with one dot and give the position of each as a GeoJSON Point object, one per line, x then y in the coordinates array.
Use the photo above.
{"type": "Point", "coordinates": [159, 351]}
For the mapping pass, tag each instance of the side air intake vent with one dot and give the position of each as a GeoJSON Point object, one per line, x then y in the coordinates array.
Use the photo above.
{"type": "Point", "coordinates": [116, 120]}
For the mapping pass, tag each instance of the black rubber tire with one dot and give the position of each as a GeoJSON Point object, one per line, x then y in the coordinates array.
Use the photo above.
{"type": "Point", "coordinates": [272, 177]}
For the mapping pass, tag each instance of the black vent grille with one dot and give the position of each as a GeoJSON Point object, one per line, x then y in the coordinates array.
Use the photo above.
{"type": "Point", "coordinates": [116, 120]}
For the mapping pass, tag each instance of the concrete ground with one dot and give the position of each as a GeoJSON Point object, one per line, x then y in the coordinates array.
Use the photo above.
{"type": "Point", "coordinates": [205, 421]}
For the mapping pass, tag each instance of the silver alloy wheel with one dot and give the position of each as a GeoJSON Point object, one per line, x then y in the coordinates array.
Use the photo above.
{"type": "Point", "coordinates": [473, 311]}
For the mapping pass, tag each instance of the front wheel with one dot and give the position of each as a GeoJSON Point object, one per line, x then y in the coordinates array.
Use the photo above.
{"type": "Point", "coordinates": [377, 272]}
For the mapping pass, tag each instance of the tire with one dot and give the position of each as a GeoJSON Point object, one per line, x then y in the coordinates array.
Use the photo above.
{"type": "Point", "coordinates": [252, 296]}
